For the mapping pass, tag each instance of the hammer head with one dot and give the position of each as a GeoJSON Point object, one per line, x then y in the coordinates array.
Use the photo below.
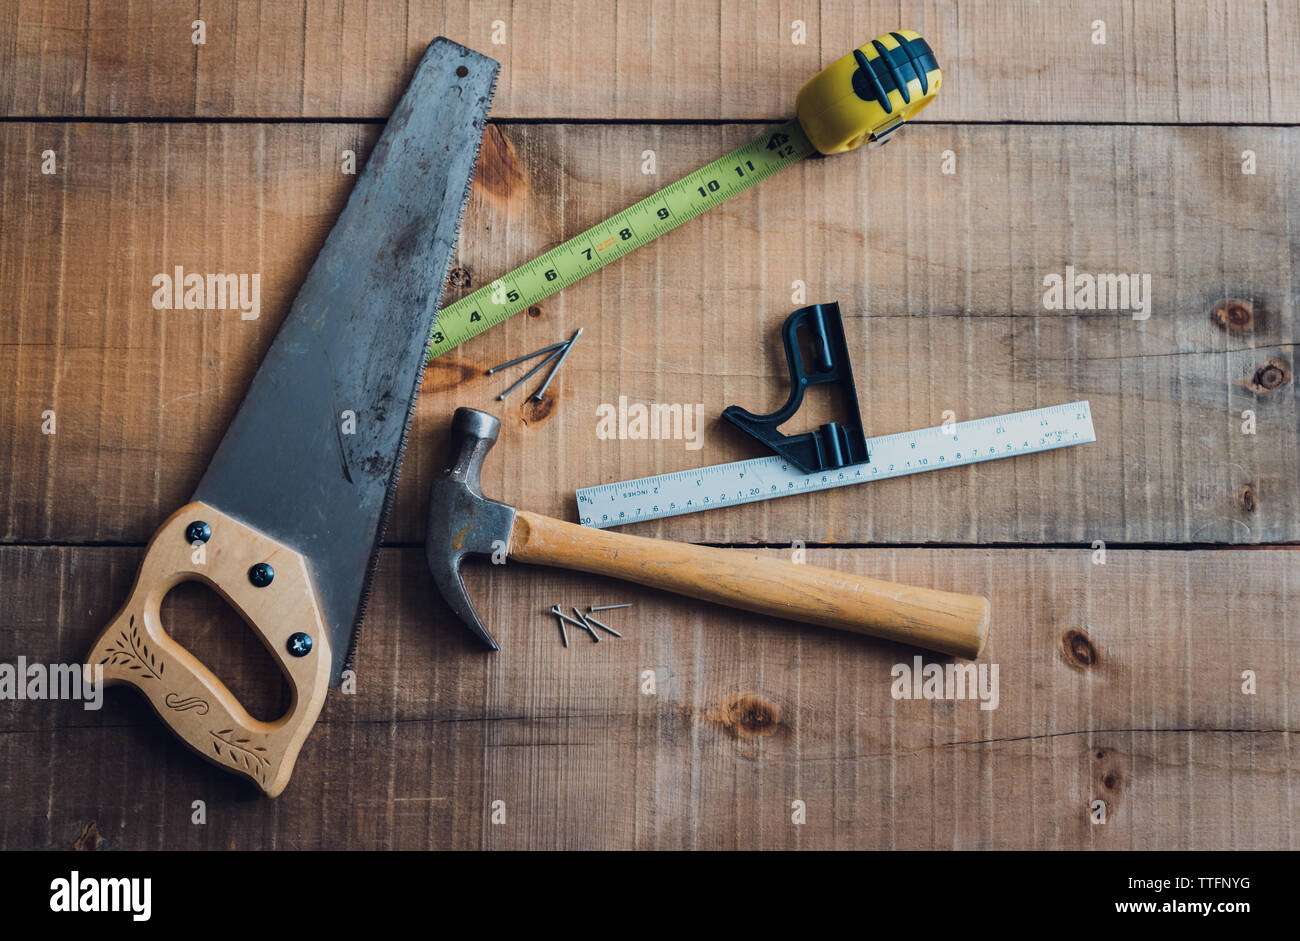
{"type": "Point", "coordinates": [462, 520]}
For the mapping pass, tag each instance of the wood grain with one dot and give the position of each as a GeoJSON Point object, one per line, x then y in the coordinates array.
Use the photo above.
{"type": "Point", "coordinates": [1186, 62]}
{"type": "Point", "coordinates": [1119, 682]}
{"type": "Point", "coordinates": [940, 278]}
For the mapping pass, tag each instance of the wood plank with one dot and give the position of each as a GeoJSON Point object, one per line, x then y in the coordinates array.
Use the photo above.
{"type": "Point", "coordinates": [1190, 61]}
{"type": "Point", "coordinates": [940, 276]}
{"type": "Point", "coordinates": [1119, 682]}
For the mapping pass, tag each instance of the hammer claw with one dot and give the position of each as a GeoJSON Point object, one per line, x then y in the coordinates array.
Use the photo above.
{"type": "Point", "coordinates": [462, 521]}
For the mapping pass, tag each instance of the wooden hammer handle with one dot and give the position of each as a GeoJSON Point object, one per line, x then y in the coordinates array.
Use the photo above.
{"type": "Point", "coordinates": [937, 620]}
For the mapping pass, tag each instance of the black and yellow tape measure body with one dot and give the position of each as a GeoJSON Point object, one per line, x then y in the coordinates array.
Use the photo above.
{"type": "Point", "coordinates": [859, 98]}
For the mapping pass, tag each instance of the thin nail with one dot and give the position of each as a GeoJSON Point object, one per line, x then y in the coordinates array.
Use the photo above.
{"type": "Point", "coordinates": [526, 357]}
{"type": "Point", "coordinates": [537, 396]}
{"type": "Point", "coordinates": [603, 627]}
{"type": "Point", "coordinates": [528, 375]}
{"type": "Point", "coordinates": [607, 607]}
{"type": "Point", "coordinates": [564, 634]}
{"type": "Point", "coordinates": [594, 635]}
{"type": "Point", "coordinates": [560, 614]}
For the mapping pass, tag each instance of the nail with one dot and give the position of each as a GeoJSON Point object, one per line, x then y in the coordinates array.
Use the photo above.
{"type": "Point", "coordinates": [537, 396]}
{"type": "Point", "coordinates": [607, 607]}
{"type": "Point", "coordinates": [525, 358]}
{"type": "Point", "coordinates": [560, 614]}
{"type": "Point", "coordinates": [603, 627]}
{"type": "Point", "coordinates": [528, 375]}
{"type": "Point", "coordinates": [594, 636]}
{"type": "Point", "coordinates": [563, 633]}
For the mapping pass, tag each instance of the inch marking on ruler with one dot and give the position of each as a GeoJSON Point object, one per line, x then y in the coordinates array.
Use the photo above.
{"type": "Point", "coordinates": [619, 235]}
{"type": "Point", "coordinates": [897, 455]}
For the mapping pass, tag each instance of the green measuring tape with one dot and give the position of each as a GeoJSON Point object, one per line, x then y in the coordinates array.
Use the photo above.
{"type": "Point", "coordinates": [861, 97]}
{"type": "Point", "coordinates": [619, 235]}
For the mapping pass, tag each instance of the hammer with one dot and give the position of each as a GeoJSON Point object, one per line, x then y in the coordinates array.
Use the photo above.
{"type": "Point", "coordinates": [463, 521]}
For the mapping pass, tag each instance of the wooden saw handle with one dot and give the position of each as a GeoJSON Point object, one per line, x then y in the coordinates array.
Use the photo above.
{"type": "Point", "coordinates": [134, 649]}
{"type": "Point", "coordinates": [936, 620]}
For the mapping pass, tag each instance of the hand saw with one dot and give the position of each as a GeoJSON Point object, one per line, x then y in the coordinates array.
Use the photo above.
{"type": "Point", "coordinates": [286, 522]}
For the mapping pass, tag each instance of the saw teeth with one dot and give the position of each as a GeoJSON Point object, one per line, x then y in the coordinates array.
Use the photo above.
{"type": "Point", "coordinates": [373, 563]}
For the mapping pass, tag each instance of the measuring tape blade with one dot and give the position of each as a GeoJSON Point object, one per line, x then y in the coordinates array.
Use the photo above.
{"type": "Point", "coordinates": [859, 98]}
{"type": "Point", "coordinates": [619, 235]}
{"type": "Point", "coordinates": [897, 455]}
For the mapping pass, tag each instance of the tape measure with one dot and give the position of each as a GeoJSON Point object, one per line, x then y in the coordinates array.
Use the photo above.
{"type": "Point", "coordinates": [897, 455]}
{"type": "Point", "coordinates": [860, 98]}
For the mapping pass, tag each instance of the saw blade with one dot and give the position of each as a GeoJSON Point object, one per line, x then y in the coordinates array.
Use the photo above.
{"type": "Point", "coordinates": [312, 456]}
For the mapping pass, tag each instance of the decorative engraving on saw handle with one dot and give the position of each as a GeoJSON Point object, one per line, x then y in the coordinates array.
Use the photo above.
{"type": "Point", "coordinates": [186, 703]}
{"type": "Point", "coordinates": [241, 751]}
{"type": "Point", "coordinates": [135, 649]}
{"type": "Point", "coordinates": [129, 650]}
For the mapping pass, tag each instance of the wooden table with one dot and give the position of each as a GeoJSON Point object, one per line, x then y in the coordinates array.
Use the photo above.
{"type": "Point", "coordinates": [1140, 586]}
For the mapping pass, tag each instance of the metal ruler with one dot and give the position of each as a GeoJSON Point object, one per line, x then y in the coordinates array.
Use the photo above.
{"type": "Point", "coordinates": [619, 235]}
{"type": "Point", "coordinates": [766, 478]}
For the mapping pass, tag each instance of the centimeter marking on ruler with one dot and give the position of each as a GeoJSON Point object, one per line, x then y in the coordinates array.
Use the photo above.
{"type": "Point", "coordinates": [643, 222]}
{"type": "Point", "coordinates": [766, 478]}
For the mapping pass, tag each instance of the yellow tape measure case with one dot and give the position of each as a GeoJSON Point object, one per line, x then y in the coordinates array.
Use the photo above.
{"type": "Point", "coordinates": [869, 92]}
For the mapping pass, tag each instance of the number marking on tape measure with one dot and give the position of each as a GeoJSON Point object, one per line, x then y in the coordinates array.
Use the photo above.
{"type": "Point", "coordinates": [766, 478]}
{"type": "Point", "coordinates": [619, 235]}
{"type": "Point", "coordinates": [858, 98]}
